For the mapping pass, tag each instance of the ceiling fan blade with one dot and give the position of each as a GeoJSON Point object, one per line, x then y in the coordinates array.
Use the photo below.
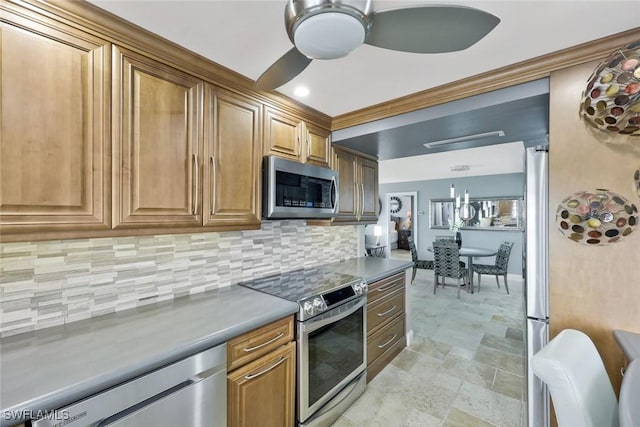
{"type": "Point", "coordinates": [430, 29]}
{"type": "Point", "coordinates": [283, 70]}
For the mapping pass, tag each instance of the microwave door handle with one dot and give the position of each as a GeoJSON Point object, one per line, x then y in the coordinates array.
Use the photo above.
{"type": "Point", "coordinates": [334, 194]}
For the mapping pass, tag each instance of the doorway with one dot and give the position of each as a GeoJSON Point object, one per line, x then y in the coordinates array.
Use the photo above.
{"type": "Point", "coordinates": [402, 223]}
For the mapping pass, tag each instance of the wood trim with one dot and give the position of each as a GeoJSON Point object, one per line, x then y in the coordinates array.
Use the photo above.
{"type": "Point", "coordinates": [500, 78]}
{"type": "Point", "coordinates": [80, 232]}
{"type": "Point", "coordinates": [354, 152]}
{"type": "Point", "coordinates": [93, 20]}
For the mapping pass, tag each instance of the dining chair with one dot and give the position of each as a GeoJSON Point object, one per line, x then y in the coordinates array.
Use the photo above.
{"type": "Point", "coordinates": [580, 389]}
{"type": "Point", "coordinates": [425, 264]}
{"type": "Point", "coordinates": [447, 264]}
{"type": "Point", "coordinates": [497, 269]}
{"type": "Point", "coordinates": [628, 408]}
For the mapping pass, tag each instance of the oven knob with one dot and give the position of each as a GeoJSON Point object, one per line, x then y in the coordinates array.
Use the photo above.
{"type": "Point", "coordinates": [317, 304]}
{"type": "Point", "coordinates": [308, 308]}
{"type": "Point", "coordinates": [358, 288]}
{"type": "Point", "coordinates": [364, 287]}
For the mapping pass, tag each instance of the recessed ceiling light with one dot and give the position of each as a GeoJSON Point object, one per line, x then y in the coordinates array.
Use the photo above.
{"type": "Point", "coordinates": [301, 91]}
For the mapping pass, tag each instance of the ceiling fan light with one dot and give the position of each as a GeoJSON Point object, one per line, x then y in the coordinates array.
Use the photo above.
{"type": "Point", "coordinates": [329, 35]}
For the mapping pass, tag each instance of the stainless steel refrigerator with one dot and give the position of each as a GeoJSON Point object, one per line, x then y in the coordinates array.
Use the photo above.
{"type": "Point", "coordinates": [536, 277]}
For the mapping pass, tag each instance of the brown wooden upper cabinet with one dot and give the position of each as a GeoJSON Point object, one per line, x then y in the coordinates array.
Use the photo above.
{"type": "Point", "coordinates": [318, 144]}
{"type": "Point", "coordinates": [102, 140]}
{"type": "Point", "coordinates": [233, 155]}
{"type": "Point", "coordinates": [54, 129]}
{"type": "Point", "coordinates": [287, 136]}
{"type": "Point", "coordinates": [358, 177]}
{"type": "Point", "coordinates": [157, 127]}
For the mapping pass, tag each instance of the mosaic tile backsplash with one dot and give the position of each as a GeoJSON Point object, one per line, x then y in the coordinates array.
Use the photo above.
{"type": "Point", "coordinates": [44, 284]}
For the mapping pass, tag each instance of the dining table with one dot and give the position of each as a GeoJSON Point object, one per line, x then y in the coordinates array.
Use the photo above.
{"type": "Point", "coordinates": [471, 252]}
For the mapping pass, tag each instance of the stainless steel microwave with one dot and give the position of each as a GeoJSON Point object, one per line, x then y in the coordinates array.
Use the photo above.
{"type": "Point", "coordinates": [298, 190]}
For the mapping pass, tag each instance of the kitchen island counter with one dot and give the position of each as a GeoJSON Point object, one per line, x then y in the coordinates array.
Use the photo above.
{"type": "Point", "coordinates": [53, 367]}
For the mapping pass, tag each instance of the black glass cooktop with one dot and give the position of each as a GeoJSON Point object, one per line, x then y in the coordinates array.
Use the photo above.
{"type": "Point", "coordinates": [302, 284]}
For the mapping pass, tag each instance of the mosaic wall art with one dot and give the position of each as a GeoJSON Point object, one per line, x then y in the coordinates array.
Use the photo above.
{"type": "Point", "coordinates": [596, 217]}
{"type": "Point", "coordinates": [611, 100]}
{"type": "Point", "coordinates": [50, 283]}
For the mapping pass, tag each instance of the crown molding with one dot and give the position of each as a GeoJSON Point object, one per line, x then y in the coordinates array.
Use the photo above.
{"type": "Point", "coordinates": [511, 75]}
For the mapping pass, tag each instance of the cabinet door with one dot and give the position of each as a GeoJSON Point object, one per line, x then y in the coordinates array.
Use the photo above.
{"type": "Point", "coordinates": [262, 393]}
{"type": "Point", "coordinates": [54, 145]}
{"type": "Point", "coordinates": [282, 134]}
{"type": "Point", "coordinates": [233, 159]}
{"type": "Point", "coordinates": [348, 195]}
{"type": "Point", "coordinates": [157, 131]}
{"type": "Point", "coordinates": [368, 180]}
{"type": "Point", "coordinates": [318, 145]}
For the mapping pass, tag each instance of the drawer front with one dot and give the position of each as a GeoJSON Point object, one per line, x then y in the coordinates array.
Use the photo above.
{"type": "Point", "coordinates": [385, 338]}
{"type": "Point", "coordinates": [377, 365]}
{"type": "Point", "coordinates": [384, 310]}
{"type": "Point", "coordinates": [258, 342]}
{"type": "Point", "coordinates": [384, 287]}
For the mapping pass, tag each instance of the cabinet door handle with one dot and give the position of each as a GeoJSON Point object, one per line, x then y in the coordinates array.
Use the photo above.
{"type": "Point", "coordinates": [195, 179]}
{"type": "Point", "coordinates": [212, 182]}
{"type": "Point", "coordinates": [277, 337]}
{"type": "Point", "coordinates": [362, 204]}
{"type": "Point", "coordinates": [388, 342]}
{"type": "Point", "coordinates": [388, 311]}
{"type": "Point", "coordinates": [257, 374]}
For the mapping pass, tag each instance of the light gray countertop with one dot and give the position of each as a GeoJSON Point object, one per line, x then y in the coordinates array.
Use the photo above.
{"type": "Point", "coordinates": [53, 367]}
{"type": "Point", "coordinates": [50, 368]}
{"type": "Point", "coordinates": [371, 268]}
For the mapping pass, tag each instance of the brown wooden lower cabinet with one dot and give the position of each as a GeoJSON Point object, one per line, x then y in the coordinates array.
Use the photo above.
{"type": "Point", "coordinates": [386, 324]}
{"type": "Point", "coordinates": [261, 392]}
{"type": "Point", "coordinates": [384, 346]}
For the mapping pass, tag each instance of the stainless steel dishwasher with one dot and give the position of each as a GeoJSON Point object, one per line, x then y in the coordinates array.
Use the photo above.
{"type": "Point", "coordinates": [191, 392]}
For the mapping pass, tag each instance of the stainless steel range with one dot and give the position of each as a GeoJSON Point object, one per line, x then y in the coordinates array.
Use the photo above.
{"type": "Point", "coordinates": [331, 339]}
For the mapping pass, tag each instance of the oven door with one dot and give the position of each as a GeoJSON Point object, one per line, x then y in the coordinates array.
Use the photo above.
{"type": "Point", "coordinates": [331, 353]}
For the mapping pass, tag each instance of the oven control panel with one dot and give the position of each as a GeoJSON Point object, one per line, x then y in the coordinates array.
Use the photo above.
{"type": "Point", "coordinates": [315, 305]}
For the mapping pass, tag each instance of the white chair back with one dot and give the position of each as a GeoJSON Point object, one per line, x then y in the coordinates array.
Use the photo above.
{"type": "Point", "coordinates": [580, 389]}
{"type": "Point", "coordinates": [629, 409]}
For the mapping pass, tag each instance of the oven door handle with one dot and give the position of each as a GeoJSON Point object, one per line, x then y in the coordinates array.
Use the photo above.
{"type": "Point", "coordinates": [344, 311]}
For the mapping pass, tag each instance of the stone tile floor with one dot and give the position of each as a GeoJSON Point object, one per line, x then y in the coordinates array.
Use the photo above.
{"type": "Point", "coordinates": [465, 367]}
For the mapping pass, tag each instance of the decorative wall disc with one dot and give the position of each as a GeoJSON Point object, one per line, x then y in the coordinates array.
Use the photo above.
{"type": "Point", "coordinates": [395, 204]}
{"type": "Point", "coordinates": [611, 100]}
{"type": "Point", "coordinates": [596, 217]}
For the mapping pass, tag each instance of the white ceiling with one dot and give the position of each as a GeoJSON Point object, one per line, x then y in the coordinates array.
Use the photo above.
{"type": "Point", "coordinates": [248, 36]}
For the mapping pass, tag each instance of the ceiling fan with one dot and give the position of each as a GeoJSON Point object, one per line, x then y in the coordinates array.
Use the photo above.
{"type": "Point", "coordinates": [329, 29]}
